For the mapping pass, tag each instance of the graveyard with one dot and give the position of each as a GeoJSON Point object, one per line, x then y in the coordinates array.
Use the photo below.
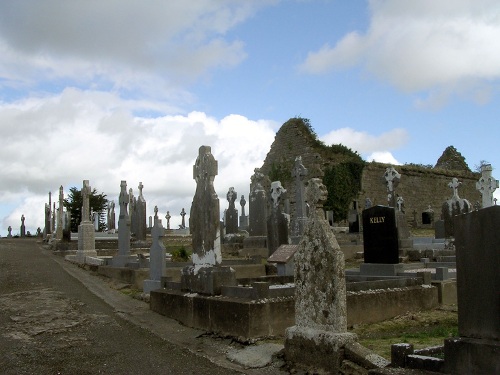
{"type": "Point", "coordinates": [279, 273]}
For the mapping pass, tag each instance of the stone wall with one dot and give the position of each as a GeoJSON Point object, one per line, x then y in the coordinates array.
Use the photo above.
{"type": "Point", "coordinates": [419, 187]}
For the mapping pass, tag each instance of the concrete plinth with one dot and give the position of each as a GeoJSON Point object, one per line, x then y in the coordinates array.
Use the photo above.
{"type": "Point", "coordinates": [208, 280]}
{"type": "Point", "coordinates": [379, 269]}
{"type": "Point", "coordinates": [471, 356]}
{"type": "Point", "coordinates": [322, 350]}
{"type": "Point", "coordinates": [86, 237]}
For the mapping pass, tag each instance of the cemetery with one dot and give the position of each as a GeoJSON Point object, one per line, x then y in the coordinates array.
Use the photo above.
{"type": "Point", "coordinates": [280, 270]}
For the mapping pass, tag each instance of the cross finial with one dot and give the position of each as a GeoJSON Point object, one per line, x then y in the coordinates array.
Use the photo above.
{"type": "Point", "coordinates": [454, 184]}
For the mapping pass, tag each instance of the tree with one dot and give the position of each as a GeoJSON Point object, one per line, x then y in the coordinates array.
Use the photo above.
{"type": "Point", "coordinates": [98, 203]}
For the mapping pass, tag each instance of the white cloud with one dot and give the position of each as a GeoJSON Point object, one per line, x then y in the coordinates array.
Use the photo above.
{"type": "Point", "coordinates": [124, 45]}
{"type": "Point", "coordinates": [420, 45]}
{"type": "Point", "coordinates": [76, 135]}
{"type": "Point", "coordinates": [383, 157]}
{"type": "Point", "coordinates": [366, 143]}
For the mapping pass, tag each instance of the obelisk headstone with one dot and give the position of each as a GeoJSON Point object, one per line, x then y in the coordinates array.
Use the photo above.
{"type": "Point", "coordinates": [206, 275]}
{"type": "Point", "coordinates": [320, 331]}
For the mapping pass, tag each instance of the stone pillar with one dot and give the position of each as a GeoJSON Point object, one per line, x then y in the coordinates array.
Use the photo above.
{"type": "Point", "coordinates": [320, 331]}
{"type": "Point", "coordinates": [140, 213]}
{"type": "Point", "coordinates": [60, 212]}
{"type": "Point", "coordinates": [206, 275]}
{"type": "Point", "coordinates": [86, 235]}
{"type": "Point", "coordinates": [299, 172]}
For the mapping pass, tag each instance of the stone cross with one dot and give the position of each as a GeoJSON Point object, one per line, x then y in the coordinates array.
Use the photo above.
{"type": "Point", "coordinates": [243, 202]}
{"type": "Point", "coordinates": [168, 217]}
{"type": "Point", "coordinates": [183, 222]}
{"type": "Point", "coordinates": [392, 178]}
{"type": "Point", "coordinates": [299, 172]}
{"type": "Point", "coordinates": [85, 199]}
{"type": "Point", "coordinates": [205, 211]}
{"type": "Point", "coordinates": [123, 199]}
{"type": "Point", "coordinates": [10, 231]}
{"type": "Point", "coordinates": [231, 197]}
{"type": "Point", "coordinates": [455, 184]}
{"type": "Point", "coordinates": [400, 203]}
{"type": "Point", "coordinates": [277, 190]}
{"type": "Point", "coordinates": [487, 185]}
{"type": "Point", "coordinates": [140, 187]}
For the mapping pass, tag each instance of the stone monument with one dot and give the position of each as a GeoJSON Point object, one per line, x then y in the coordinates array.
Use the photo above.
{"type": "Point", "coordinates": [111, 216]}
{"type": "Point", "coordinates": [156, 256]}
{"type": "Point", "coordinates": [168, 217]}
{"type": "Point", "coordinates": [60, 213]}
{"type": "Point", "coordinates": [23, 227]}
{"type": "Point", "coordinates": [123, 257]}
{"type": "Point", "coordinates": [206, 275]}
{"type": "Point", "coordinates": [487, 185]}
{"type": "Point", "coordinates": [86, 235]}
{"type": "Point", "coordinates": [299, 172]}
{"type": "Point", "coordinates": [183, 220]}
{"type": "Point", "coordinates": [140, 215]}
{"type": "Point", "coordinates": [392, 178]}
{"type": "Point", "coordinates": [258, 204]}
{"type": "Point", "coordinates": [277, 223]}
{"type": "Point", "coordinates": [9, 229]}
{"type": "Point", "coordinates": [453, 207]}
{"type": "Point", "coordinates": [231, 214]}
{"type": "Point", "coordinates": [243, 216]}
{"type": "Point", "coordinates": [477, 349]}
{"type": "Point", "coordinates": [320, 331]}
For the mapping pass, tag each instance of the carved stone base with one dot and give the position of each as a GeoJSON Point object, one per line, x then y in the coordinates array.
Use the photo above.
{"type": "Point", "coordinates": [208, 280]}
{"type": "Point", "coordinates": [312, 348]}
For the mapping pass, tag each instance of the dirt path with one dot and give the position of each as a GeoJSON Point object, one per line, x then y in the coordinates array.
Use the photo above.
{"type": "Point", "coordinates": [50, 323]}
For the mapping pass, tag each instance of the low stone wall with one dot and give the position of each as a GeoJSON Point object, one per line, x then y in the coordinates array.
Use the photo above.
{"type": "Point", "coordinates": [247, 318]}
{"type": "Point", "coordinates": [125, 275]}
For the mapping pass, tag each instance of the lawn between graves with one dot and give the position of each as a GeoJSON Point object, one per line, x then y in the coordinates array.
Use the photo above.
{"type": "Point", "coordinates": [421, 328]}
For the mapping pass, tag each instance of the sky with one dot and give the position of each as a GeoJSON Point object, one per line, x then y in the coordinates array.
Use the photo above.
{"type": "Point", "coordinates": [129, 90]}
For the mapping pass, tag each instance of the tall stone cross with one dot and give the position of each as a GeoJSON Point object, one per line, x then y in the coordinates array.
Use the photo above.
{"type": "Point", "coordinates": [156, 215]}
{"type": "Point", "coordinates": [183, 222]}
{"type": "Point", "coordinates": [167, 216]}
{"type": "Point", "coordinates": [85, 200]}
{"type": "Point", "coordinates": [277, 190]}
{"type": "Point", "coordinates": [123, 200]}
{"type": "Point", "coordinates": [231, 197]}
{"type": "Point", "coordinates": [299, 172]}
{"type": "Point", "coordinates": [487, 185]}
{"type": "Point", "coordinates": [140, 187]}
{"type": "Point", "coordinates": [243, 202]}
{"type": "Point", "coordinates": [455, 184]}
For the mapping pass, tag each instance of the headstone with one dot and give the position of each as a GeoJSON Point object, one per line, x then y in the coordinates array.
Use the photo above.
{"type": "Point", "coordinates": [277, 223]}
{"type": "Point", "coordinates": [86, 235]}
{"type": "Point", "coordinates": [156, 256]}
{"type": "Point", "coordinates": [111, 216]}
{"type": "Point", "coordinates": [38, 232]}
{"type": "Point", "coordinates": [140, 213]}
{"type": "Point", "coordinates": [452, 207]}
{"type": "Point", "coordinates": [9, 235]}
{"type": "Point", "coordinates": [353, 218]}
{"type": "Point", "coordinates": [299, 172]}
{"type": "Point", "coordinates": [206, 275]}
{"type": "Point", "coordinates": [380, 235]}
{"type": "Point", "coordinates": [168, 217]}
{"type": "Point", "coordinates": [60, 213]}
{"type": "Point", "coordinates": [284, 259]}
{"type": "Point", "coordinates": [23, 227]}
{"type": "Point", "coordinates": [487, 185]}
{"type": "Point", "coordinates": [123, 257]}
{"type": "Point", "coordinates": [320, 331]}
{"type": "Point", "coordinates": [477, 349]}
{"type": "Point", "coordinates": [150, 222]}
{"type": "Point", "coordinates": [439, 231]}
{"type": "Point", "coordinates": [231, 214]}
{"type": "Point", "coordinates": [392, 178]}
{"type": "Point", "coordinates": [183, 220]}
{"type": "Point", "coordinates": [400, 203]}
{"type": "Point", "coordinates": [257, 226]}
{"type": "Point", "coordinates": [428, 216]}
{"type": "Point", "coordinates": [243, 216]}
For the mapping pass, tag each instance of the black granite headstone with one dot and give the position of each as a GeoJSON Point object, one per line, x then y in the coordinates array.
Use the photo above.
{"type": "Point", "coordinates": [380, 235]}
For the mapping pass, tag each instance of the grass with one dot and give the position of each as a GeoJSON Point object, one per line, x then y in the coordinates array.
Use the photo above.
{"type": "Point", "coordinates": [422, 329]}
